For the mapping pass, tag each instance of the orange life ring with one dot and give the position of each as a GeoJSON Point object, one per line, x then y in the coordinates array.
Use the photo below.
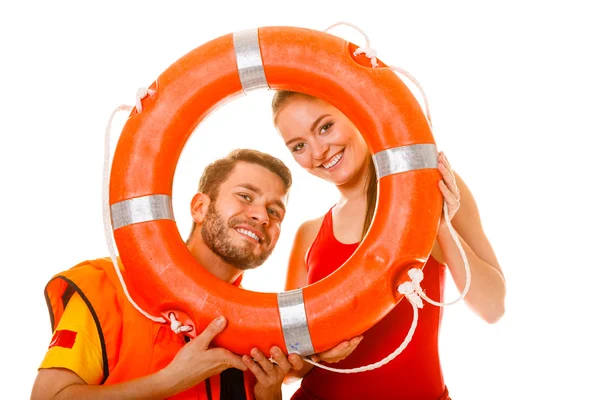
{"type": "Point", "coordinates": [358, 294]}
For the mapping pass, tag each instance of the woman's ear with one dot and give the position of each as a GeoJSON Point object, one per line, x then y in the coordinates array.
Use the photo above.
{"type": "Point", "coordinates": [199, 207]}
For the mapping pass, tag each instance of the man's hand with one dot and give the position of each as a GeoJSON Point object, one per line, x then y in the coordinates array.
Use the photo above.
{"type": "Point", "coordinates": [269, 375]}
{"type": "Point", "coordinates": [196, 361]}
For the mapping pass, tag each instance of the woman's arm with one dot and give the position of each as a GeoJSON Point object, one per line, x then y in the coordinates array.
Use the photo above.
{"type": "Point", "coordinates": [297, 272]}
{"type": "Point", "coordinates": [487, 290]}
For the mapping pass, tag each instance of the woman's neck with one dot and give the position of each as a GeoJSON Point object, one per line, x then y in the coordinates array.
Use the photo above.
{"type": "Point", "coordinates": [354, 192]}
{"type": "Point", "coordinates": [349, 214]}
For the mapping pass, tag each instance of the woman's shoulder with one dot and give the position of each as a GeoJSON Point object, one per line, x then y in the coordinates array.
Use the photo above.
{"type": "Point", "coordinates": [305, 236]}
{"type": "Point", "coordinates": [308, 230]}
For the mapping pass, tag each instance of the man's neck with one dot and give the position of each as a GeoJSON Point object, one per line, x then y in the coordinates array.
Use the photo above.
{"type": "Point", "coordinates": [211, 262]}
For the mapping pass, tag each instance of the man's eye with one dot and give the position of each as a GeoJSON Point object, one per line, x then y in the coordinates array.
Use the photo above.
{"type": "Point", "coordinates": [273, 212]}
{"type": "Point", "coordinates": [245, 197]}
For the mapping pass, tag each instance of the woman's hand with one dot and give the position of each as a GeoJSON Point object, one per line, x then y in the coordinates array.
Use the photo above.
{"type": "Point", "coordinates": [448, 186]}
{"type": "Point", "coordinates": [339, 352]}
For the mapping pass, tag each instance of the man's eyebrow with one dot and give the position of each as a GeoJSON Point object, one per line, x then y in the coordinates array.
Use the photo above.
{"type": "Point", "coordinates": [312, 128]}
{"type": "Point", "coordinates": [259, 192]}
{"type": "Point", "coordinates": [251, 187]}
{"type": "Point", "coordinates": [280, 204]}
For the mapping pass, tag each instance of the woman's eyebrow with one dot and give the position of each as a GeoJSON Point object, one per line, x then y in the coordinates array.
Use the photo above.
{"type": "Point", "coordinates": [312, 128]}
{"type": "Point", "coordinates": [314, 125]}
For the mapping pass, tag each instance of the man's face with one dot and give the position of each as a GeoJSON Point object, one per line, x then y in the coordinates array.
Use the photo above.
{"type": "Point", "coordinates": [242, 225]}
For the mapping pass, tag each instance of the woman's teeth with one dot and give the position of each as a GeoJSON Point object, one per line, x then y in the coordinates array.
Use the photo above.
{"type": "Point", "coordinates": [333, 161]}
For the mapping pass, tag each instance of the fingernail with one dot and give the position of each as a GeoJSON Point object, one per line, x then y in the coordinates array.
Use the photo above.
{"type": "Point", "coordinates": [220, 321]}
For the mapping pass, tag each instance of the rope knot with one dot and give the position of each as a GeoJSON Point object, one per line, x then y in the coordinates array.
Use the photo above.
{"type": "Point", "coordinates": [369, 53]}
{"type": "Point", "coordinates": [140, 94]}
{"type": "Point", "coordinates": [412, 288]}
{"type": "Point", "coordinates": [177, 326]}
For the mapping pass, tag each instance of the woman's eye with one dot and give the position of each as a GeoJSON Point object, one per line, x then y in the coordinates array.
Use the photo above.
{"type": "Point", "coordinates": [325, 128]}
{"type": "Point", "coordinates": [298, 147]}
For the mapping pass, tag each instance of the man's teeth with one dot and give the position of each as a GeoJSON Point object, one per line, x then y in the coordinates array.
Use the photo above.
{"type": "Point", "coordinates": [248, 233]}
{"type": "Point", "coordinates": [333, 161]}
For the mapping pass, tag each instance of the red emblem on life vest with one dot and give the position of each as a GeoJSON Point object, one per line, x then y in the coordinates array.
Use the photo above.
{"type": "Point", "coordinates": [63, 338]}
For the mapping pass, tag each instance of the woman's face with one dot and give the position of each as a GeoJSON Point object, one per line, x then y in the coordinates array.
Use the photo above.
{"type": "Point", "coordinates": [322, 140]}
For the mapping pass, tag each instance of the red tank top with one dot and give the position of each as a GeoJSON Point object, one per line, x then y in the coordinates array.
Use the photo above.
{"type": "Point", "coordinates": [415, 374]}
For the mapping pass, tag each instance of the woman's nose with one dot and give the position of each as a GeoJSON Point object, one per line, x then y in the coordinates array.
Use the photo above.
{"type": "Point", "coordinates": [320, 150]}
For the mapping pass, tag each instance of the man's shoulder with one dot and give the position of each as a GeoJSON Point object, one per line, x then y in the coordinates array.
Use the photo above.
{"type": "Point", "coordinates": [102, 263]}
{"type": "Point", "coordinates": [89, 276]}
{"type": "Point", "coordinates": [99, 267]}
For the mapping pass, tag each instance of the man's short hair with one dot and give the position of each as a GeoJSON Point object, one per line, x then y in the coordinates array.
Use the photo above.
{"type": "Point", "coordinates": [218, 171]}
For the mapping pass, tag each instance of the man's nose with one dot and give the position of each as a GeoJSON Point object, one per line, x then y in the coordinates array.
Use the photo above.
{"type": "Point", "coordinates": [258, 214]}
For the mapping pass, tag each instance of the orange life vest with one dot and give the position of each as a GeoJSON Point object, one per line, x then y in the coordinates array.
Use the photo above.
{"type": "Point", "coordinates": [132, 345]}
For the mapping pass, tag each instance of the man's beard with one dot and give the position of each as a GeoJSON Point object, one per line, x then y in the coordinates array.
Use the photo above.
{"type": "Point", "coordinates": [215, 235]}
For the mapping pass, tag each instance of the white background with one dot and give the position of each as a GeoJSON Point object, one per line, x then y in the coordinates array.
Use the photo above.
{"type": "Point", "coordinates": [514, 93]}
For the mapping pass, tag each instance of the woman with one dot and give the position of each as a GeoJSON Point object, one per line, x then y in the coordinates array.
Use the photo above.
{"type": "Point", "coordinates": [326, 144]}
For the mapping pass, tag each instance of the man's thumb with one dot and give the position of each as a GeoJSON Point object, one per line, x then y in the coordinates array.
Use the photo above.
{"type": "Point", "coordinates": [213, 329]}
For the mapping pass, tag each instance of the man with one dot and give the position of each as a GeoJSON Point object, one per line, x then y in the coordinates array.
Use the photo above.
{"type": "Point", "coordinates": [102, 348]}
